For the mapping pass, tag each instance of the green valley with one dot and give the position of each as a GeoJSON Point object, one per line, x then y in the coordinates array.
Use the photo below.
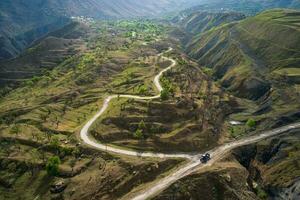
{"type": "Point", "coordinates": [150, 100]}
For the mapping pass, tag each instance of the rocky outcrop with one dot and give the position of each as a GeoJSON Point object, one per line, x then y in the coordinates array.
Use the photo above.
{"type": "Point", "coordinates": [273, 166]}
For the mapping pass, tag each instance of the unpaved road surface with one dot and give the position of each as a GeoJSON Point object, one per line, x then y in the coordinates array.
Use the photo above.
{"type": "Point", "coordinates": [216, 154]}
{"type": "Point", "coordinates": [89, 141]}
{"type": "Point", "coordinates": [194, 163]}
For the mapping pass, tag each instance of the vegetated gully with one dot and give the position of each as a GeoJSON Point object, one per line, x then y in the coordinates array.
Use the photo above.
{"type": "Point", "coordinates": [194, 159]}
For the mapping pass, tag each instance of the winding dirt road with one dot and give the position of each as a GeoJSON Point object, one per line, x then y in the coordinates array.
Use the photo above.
{"type": "Point", "coordinates": [89, 141]}
{"type": "Point", "coordinates": [216, 154]}
{"type": "Point", "coordinates": [194, 163]}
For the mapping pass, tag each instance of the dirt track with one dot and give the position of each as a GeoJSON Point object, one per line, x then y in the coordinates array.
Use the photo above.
{"type": "Point", "coordinates": [186, 169]}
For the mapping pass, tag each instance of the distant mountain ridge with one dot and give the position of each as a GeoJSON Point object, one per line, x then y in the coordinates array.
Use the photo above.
{"type": "Point", "coordinates": [249, 7]}
{"type": "Point", "coordinates": [44, 54]}
{"type": "Point", "coordinates": [22, 22]}
{"type": "Point", "coordinates": [198, 22]}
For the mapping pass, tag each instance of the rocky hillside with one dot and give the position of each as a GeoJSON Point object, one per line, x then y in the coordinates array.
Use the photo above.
{"type": "Point", "coordinates": [273, 166]}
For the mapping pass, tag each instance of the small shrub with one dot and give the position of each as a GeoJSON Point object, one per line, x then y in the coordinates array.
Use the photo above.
{"type": "Point", "coordinates": [138, 134]}
{"type": "Point", "coordinates": [52, 166]}
{"type": "Point", "coordinates": [142, 125]}
{"type": "Point", "coordinates": [251, 123]}
{"type": "Point", "coordinates": [207, 71]}
{"type": "Point", "coordinates": [55, 142]}
{"type": "Point", "coordinates": [164, 94]}
{"type": "Point", "coordinates": [142, 90]}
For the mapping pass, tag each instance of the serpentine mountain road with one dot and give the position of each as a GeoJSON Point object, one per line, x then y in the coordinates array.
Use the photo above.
{"type": "Point", "coordinates": [190, 167]}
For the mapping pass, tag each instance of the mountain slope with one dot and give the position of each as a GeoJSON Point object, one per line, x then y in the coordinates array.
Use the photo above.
{"type": "Point", "coordinates": [22, 22]}
{"type": "Point", "coordinates": [250, 7]}
{"type": "Point", "coordinates": [257, 59]}
{"type": "Point", "coordinates": [199, 21]}
{"type": "Point", "coordinates": [49, 111]}
{"type": "Point", "coordinates": [43, 55]}
{"type": "Point", "coordinates": [242, 54]}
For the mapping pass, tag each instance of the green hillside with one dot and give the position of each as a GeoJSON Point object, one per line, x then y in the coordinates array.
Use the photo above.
{"type": "Point", "coordinates": [256, 59]}
{"type": "Point", "coordinates": [226, 78]}
{"type": "Point", "coordinates": [22, 22]}
{"type": "Point", "coordinates": [244, 54]}
{"type": "Point", "coordinates": [42, 117]}
{"type": "Point", "coordinates": [198, 22]}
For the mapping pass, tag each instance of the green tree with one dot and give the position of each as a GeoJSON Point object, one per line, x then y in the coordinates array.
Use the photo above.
{"type": "Point", "coordinates": [53, 165]}
{"type": "Point", "coordinates": [164, 94]}
{"type": "Point", "coordinates": [251, 123]}
{"type": "Point", "coordinates": [142, 125]}
{"type": "Point", "coordinates": [207, 71]}
{"type": "Point", "coordinates": [142, 90]}
{"type": "Point", "coordinates": [138, 134]}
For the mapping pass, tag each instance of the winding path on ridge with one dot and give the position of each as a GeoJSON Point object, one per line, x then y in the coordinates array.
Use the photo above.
{"type": "Point", "coordinates": [84, 131]}
{"type": "Point", "coordinates": [194, 163]}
